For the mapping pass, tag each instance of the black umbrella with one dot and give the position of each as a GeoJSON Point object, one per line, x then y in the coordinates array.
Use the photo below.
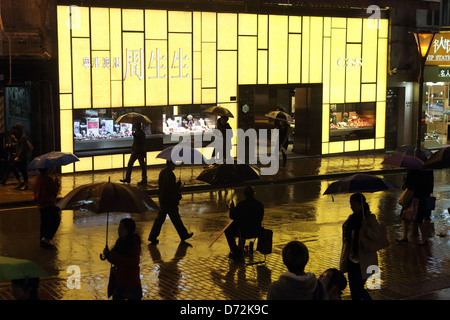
{"type": "Point", "coordinates": [223, 174]}
{"type": "Point", "coordinates": [409, 149]}
{"type": "Point", "coordinates": [360, 182]}
{"type": "Point", "coordinates": [439, 160]}
{"type": "Point", "coordinates": [133, 117]}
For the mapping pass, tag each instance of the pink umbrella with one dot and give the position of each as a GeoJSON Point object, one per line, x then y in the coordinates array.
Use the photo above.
{"type": "Point", "coordinates": [404, 161]}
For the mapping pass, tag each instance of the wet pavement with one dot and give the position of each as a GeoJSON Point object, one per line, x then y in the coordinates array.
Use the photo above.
{"type": "Point", "coordinates": [295, 209]}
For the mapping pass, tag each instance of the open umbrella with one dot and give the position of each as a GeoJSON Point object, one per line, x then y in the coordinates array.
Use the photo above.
{"type": "Point", "coordinates": [53, 159]}
{"type": "Point", "coordinates": [360, 182]}
{"type": "Point", "coordinates": [409, 150]}
{"type": "Point", "coordinates": [404, 161]}
{"type": "Point", "coordinates": [279, 115]}
{"type": "Point", "coordinates": [219, 111]}
{"type": "Point", "coordinates": [107, 197]}
{"type": "Point", "coordinates": [13, 268]}
{"type": "Point", "coordinates": [439, 160]}
{"type": "Point", "coordinates": [182, 154]}
{"type": "Point", "coordinates": [133, 117]}
{"type": "Point", "coordinates": [222, 174]}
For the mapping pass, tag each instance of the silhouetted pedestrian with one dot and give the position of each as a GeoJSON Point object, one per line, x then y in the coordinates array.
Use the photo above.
{"type": "Point", "coordinates": [335, 282]}
{"type": "Point", "coordinates": [25, 289]}
{"type": "Point", "coordinates": [138, 152]}
{"type": "Point", "coordinates": [9, 165]}
{"type": "Point", "coordinates": [45, 192]}
{"type": "Point", "coordinates": [169, 199]}
{"type": "Point", "coordinates": [296, 284]}
{"type": "Point", "coordinates": [124, 280]}
{"type": "Point", "coordinates": [225, 129]}
{"type": "Point", "coordinates": [354, 259]}
{"type": "Point", "coordinates": [247, 218]}
{"type": "Point", "coordinates": [23, 151]}
{"type": "Point", "coordinates": [283, 127]}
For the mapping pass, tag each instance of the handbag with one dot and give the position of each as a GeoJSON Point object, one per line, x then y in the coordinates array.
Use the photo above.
{"type": "Point", "coordinates": [265, 242]}
{"type": "Point", "coordinates": [369, 244]}
{"type": "Point", "coordinates": [430, 203]}
{"type": "Point", "coordinates": [406, 198]}
{"type": "Point", "coordinates": [410, 212]}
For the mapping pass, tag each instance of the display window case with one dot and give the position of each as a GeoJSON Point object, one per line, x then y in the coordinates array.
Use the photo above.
{"type": "Point", "coordinates": [437, 113]}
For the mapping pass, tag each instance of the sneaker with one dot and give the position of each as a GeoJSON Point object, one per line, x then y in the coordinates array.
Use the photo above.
{"type": "Point", "coordinates": [153, 241]}
{"type": "Point", "coordinates": [125, 180]}
{"type": "Point", "coordinates": [142, 183]}
{"type": "Point", "coordinates": [24, 187]}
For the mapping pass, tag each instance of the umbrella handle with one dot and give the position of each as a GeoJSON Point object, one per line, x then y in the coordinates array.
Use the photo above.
{"type": "Point", "coordinates": [102, 256]}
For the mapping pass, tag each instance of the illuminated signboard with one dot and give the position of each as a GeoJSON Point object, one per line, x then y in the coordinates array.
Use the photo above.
{"type": "Point", "coordinates": [439, 53]}
{"type": "Point", "coordinates": [113, 57]}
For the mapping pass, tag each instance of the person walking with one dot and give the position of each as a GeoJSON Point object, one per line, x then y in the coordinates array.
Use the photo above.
{"type": "Point", "coordinates": [283, 127]}
{"type": "Point", "coordinates": [296, 284]}
{"type": "Point", "coordinates": [421, 182]}
{"type": "Point", "coordinates": [247, 218]}
{"type": "Point", "coordinates": [138, 152]}
{"type": "Point", "coordinates": [169, 198]}
{"type": "Point", "coordinates": [124, 281]}
{"type": "Point", "coordinates": [9, 163]}
{"type": "Point", "coordinates": [45, 191]}
{"type": "Point", "coordinates": [354, 259]}
{"type": "Point", "coordinates": [224, 151]}
{"type": "Point", "coordinates": [22, 153]}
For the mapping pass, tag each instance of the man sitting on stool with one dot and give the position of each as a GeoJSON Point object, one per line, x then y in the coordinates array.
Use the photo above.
{"type": "Point", "coordinates": [247, 217]}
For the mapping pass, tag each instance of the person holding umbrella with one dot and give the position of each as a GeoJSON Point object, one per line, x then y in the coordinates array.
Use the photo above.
{"type": "Point", "coordinates": [45, 191]}
{"type": "Point", "coordinates": [223, 126]}
{"type": "Point", "coordinates": [138, 151]}
{"type": "Point", "coordinates": [169, 198]}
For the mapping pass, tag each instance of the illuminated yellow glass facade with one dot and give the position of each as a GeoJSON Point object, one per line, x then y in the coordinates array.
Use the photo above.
{"type": "Point", "coordinates": [143, 58]}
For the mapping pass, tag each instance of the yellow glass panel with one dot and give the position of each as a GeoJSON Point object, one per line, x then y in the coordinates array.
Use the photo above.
{"type": "Point", "coordinates": [263, 25]}
{"type": "Point", "coordinates": [100, 28]}
{"type": "Point", "coordinates": [369, 54]}
{"type": "Point", "coordinates": [353, 75]}
{"type": "Point", "coordinates": [208, 27]}
{"type": "Point", "coordinates": [278, 32]}
{"type": "Point", "coordinates": [180, 21]}
{"type": "Point", "coordinates": [295, 24]}
{"type": "Point", "coordinates": [208, 65]}
{"type": "Point", "coordinates": [383, 32]}
{"type": "Point", "coordinates": [156, 24]}
{"type": "Point", "coordinates": [67, 169]}
{"type": "Point", "coordinates": [354, 30]}
{"type": "Point", "coordinates": [247, 60]}
{"type": "Point", "coordinates": [197, 31]}
{"type": "Point", "coordinates": [197, 91]}
{"type": "Point", "coordinates": [153, 160]}
{"type": "Point", "coordinates": [85, 164]}
{"type": "Point", "coordinates": [382, 69]}
{"type": "Point", "coordinates": [102, 162]}
{"type": "Point", "coordinates": [336, 147]}
{"type": "Point", "coordinates": [81, 15]}
{"type": "Point", "coordinates": [339, 23]}
{"type": "Point", "coordinates": [367, 144]}
{"type": "Point", "coordinates": [117, 161]}
{"type": "Point", "coordinates": [306, 37]}
{"type": "Point", "coordinates": [316, 47]}
{"type": "Point", "coordinates": [337, 73]}
{"type": "Point", "coordinates": [65, 101]}
{"type": "Point", "coordinates": [133, 69]}
{"type": "Point", "coordinates": [226, 31]}
{"type": "Point", "coordinates": [157, 65]}
{"type": "Point", "coordinates": [325, 122]}
{"type": "Point", "coordinates": [351, 146]}
{"type": "Point", "coordinates": [64, 59]}
{"type": "Point", "coordinates": [325, 147]}
{"type": "Point", "coordinates": [180, 71]}
{"type": "Point", "coordinates": [81, 74]}
{"type": "Point", "coordinates": [327, 27]}
{"type": "Point", "coordinates": [262, 66]}
{"type": "Point", "coordinates": [197, 65]}
{"type": "Point", "coordinates": [379, 143]}
{"type": "Point", "coordinates": [65, 127]}
{"type": "Point", "coordinates": [248, 24]}
{"type": "Point", "coordinates": [116, 94]}
{"type": "Point", "coordinates": [226, 75]}
{"type": "Point", "coordinates": [294, 58]}
{"type": "Point", "coordinates": [115, 20]}
{"type": "Point", "coordinates": [132, 20]}
{"type": "Point", "coordinates": [101, 82]}
{"type": "Point", "coordinates": [208, 95]}
{"type": "Point", "coordinates": [368, 92]}
{"type": "Point", "coordinates": [326, 69]}
{"type": "Point", "coordinates": [380, 126]}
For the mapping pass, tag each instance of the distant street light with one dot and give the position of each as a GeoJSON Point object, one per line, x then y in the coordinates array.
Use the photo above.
{"type": "Point", "coordinates": [423, 41]}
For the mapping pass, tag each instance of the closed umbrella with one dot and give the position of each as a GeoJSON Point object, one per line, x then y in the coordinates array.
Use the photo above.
{"type": "Point", "coordinates": [14, 269]}
{"type": "Point", "coordinates": [107, 197]}
{"type": "Point", "coordinates": [404, 161]}
{"type": "Point", "coordinates": [219, 111]}
{"type": "Point", "coordinates": [439, 160]}
{"type": "Point", "coordinates": [53, 159]}
{"type": "Point", "coordinates": [133, 117]}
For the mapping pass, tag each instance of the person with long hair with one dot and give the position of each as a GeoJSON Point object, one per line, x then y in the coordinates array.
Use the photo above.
{"type": "Point", "coordinates": [125, 281]}
{"type": "Point", "coordinates": [354, 259]}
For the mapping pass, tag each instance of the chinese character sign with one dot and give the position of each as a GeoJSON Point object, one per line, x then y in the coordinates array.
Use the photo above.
{"type": "Point", "coordinates": [439, 53]}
